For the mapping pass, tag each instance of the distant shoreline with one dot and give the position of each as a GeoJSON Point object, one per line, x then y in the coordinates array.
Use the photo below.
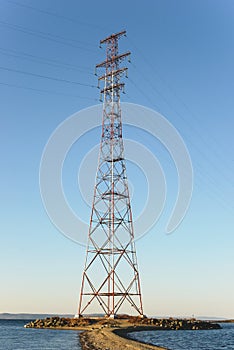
{"type": "Point", "coordinates": [31, 316]}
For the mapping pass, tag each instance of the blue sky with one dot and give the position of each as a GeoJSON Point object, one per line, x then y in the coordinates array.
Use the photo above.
{"type": "Point", "coordinates": [182, 66]}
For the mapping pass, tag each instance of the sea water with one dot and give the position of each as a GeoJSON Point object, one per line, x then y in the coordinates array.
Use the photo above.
{"type": "Point", "coordinates": [214, 339]}
{"type": "Point", "coordinates": [13, 336]}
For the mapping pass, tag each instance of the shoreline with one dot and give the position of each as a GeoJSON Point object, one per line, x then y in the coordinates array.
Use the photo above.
{"type": "Point", "coordinates": [112, 334]}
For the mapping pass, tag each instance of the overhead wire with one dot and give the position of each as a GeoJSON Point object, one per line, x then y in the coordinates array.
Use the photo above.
{"type": "Point", "coordinates": [23, 55]}
{"type": "Point", "coordinates": [46, 77]}
{"type": "Point", "coordinates": [186, 123]}
{"type": "Point", "coordinates": [50, 13]}
{"type": "Point", "coordinates": [209, 178]}
{"type": "Point", "coordinates": [209, 182]}
{"type": "Point", "coordinates": [144, 94]}
{"type": "Point", "coordinates": [54, 38]}
{"type": "Point", "coordinates": [47, 91]}
{"type": "Point", "coordinates": [43, 35]}
{"type": "Point", "coordinates": [43, 60]}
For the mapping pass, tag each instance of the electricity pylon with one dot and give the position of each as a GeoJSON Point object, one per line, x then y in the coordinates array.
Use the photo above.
{"type": "Point", "coordinates": [110, 279]}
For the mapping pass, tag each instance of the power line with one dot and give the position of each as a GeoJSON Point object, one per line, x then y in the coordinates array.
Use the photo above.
{"type": "Point", "coordinates": [144, 94]}
{"type": "Point", "coordinates": [159, 93]}
{"type": "Point", "coordinates": [172, 91]}
{"type": "Point", "coordinates": [179, 114]}
{"type": "Point", "coordinates": [46, 77]}
{"type": "Point", "coordinates": [47, 91]}
{"type": "Point", "coordinates": [51, 62]}
{"type": "Point", "coordinates": [210, 179]}
{"type": "Point", "coordinates": [43, 35]}
{"type": "Point", "coordinates": [203, 175]}
{"type": "Point", "coordinates": [55, 15]}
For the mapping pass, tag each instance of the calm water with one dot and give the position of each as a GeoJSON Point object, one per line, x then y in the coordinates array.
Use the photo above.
{"type": "Point", "coordinates": [13, 336]}
{"type": "Point", "coordinates": [220, 339]}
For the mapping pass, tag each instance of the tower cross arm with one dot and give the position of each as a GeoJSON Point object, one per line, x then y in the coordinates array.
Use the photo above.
{"type": "Point", "coordinates": [113, 73]}
{"type": "Point", "coordinates": [112, 87]}
{"type": "Point", "coordinates": [113, 36]}
{"type": "Point", "coordinates": [113, 59]}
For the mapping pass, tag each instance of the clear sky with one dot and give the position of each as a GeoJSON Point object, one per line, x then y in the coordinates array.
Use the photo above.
{"type": "Point", "coordinates": [182, 66]}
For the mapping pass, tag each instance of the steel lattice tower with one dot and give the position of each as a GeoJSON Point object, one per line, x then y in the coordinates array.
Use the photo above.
{"type": "Point", "coordinates": [111, 278]}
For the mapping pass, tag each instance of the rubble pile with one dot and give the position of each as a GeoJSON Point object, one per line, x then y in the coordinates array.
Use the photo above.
{"type": "Point", "coordinates": [163, 323]}
{"type": "Point", "coordinates": [174, 323]}
{"type": "Point", "coordinates": [58, 322]}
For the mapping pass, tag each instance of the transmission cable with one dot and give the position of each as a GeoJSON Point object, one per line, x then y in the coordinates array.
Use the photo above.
{"type": "Point", "coordinates": [171, 89]}
{"type": "Point", "coordinates": [43, 35]}
{"type": "Point", "coordinates": [46, 77]}
{"type": "Point", "coordinates": [51, 62]}
{"type": "Point", "coordinates": [145, 95]}
{"type": "Point", "coordinates": [210, 179]}
{"type": "Point", "coordinates": [47, 91]}
{"type": "Point", "coordinates": [56, 15]}
{"type": "Point", "coordinates": [179, 114]}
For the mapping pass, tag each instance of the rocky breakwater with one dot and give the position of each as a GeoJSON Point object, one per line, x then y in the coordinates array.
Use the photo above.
{"type": "Point", "coordinates": [128, 322]}
{"type": "Point", "coordinates": [105, 333]}
{"type": "Point", "coordinates": [58, 322]}
{"type": "Point", "coordinates": [174, 323]}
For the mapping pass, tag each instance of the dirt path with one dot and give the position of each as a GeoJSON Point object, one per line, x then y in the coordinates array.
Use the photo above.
{"type": "Point", "coordinates": [106, 339]}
